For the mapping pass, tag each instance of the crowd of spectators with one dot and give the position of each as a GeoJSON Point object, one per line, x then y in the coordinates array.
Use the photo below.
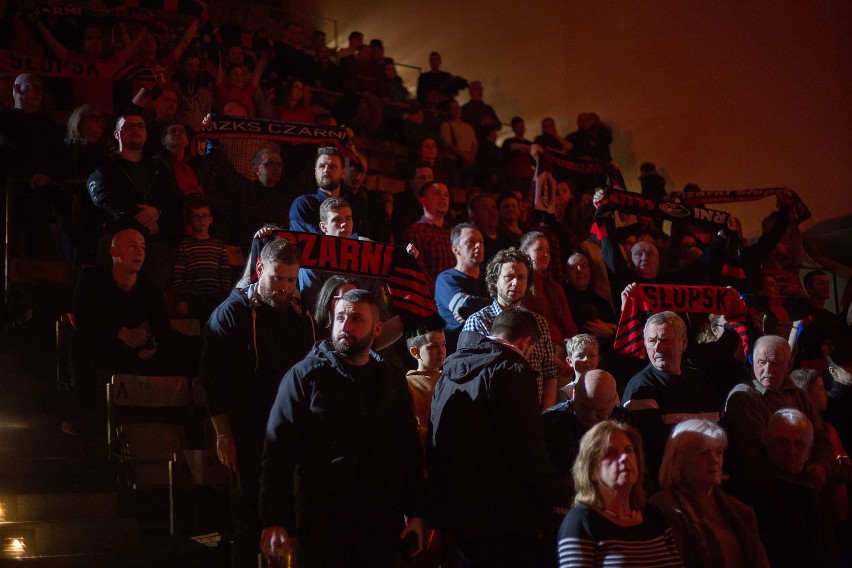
{"type": "Point", "coordinates": [529, 299]}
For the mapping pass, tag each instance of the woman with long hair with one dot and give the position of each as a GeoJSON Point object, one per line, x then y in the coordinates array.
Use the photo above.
{"type": "Point", "coordinates": [546, 296]}
{"type": "Point", "coordinates": [294, 105]}
{"type": "Point", "coordinates": [85, 151]}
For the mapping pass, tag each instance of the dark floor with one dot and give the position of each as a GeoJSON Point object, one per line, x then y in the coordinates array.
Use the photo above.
{"type": "Point", "coordinates": [67, 480]}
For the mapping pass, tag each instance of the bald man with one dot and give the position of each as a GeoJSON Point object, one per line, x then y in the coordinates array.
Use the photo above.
{"type": "Point", "coordinates": [749, 407]}
{"type": "Point", "coordinates": [122, 324]}
{"type": "Point", "coordinates": [29, 145]}
{"type": "Point", "coordinates": [594, 399]}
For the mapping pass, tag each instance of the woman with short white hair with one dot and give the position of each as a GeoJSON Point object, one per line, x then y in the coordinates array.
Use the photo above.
{"type": "Point", "coordinates": [711, 528]}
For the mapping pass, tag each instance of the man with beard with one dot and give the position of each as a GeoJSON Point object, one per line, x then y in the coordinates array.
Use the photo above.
{"type": "Point", "coordinates": [304, 213]}
{"type": "Point", "coordinates": [251, 340]}
{"type": "Point", "coordinates": [667, 392]}
{"type": "Point", "coordinates": [342, 468]}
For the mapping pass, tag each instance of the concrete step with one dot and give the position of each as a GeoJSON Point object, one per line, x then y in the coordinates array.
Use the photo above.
{"type": "Point", "coordinates": [58, 506]}
{"type": "Point", "coordinates": [70, 536]}
{"type": "Point", "coordinates": [169, 555]}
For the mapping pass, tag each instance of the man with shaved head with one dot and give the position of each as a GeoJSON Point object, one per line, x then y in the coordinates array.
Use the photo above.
{"type": "Point", "coordinates": [749, 407]}
{"type": "Point", "coordinates": [593, 399]}
{"type": "Point", "coordinates": [29, 144]}
{"type": "Point", "coordinates": [122, 324]}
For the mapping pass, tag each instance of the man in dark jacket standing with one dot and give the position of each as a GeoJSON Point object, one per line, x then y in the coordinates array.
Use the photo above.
{"type": "Point", "coordinates": [251, 340]}
{"type": "Point", "coordinates": [135, 191]}
{"type": "Point", "coordinates": [494, 484]}
{"type": "Point", "coordinates": [342, 466]}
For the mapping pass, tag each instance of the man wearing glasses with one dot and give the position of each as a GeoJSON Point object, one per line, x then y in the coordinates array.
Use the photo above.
{"type": "Point", "coordinates": [264, 201]}
{"type": "Point", "coordinates": [136, 191]}
{"type": "Point", "coordinates": [29, 143]}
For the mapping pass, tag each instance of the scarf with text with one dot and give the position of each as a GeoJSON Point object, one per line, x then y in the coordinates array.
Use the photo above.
{"type": "Point", "coordinates": [553, 167]}
{"type": "Point", "coordinates": [407, 286]}
{"type": "Point", "coordinates": [799, 211]}
{"type": "Point", "coordinates": [648, 299]}
{"type": "Point", "coordinates": [218, 126]}
{"type": "Point", "coordinates": [621, 201]}
{"type": "Point", "coordinates": [132, 11]}
{"type": "Point", "coordinates": [16, 63]}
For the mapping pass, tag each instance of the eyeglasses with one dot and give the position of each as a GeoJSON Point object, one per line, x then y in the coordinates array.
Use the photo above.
{"type": "Point", "coordinates": [201, 216]}
{"type": "Point", "coordinates": [272, 164]}
{"type": "Point", "coordinates": [95, 117]}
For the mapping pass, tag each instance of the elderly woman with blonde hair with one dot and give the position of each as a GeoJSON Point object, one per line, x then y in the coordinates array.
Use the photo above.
{"type": "Point", "coordinates": [610, 524]}
{"type": "Point", "coordinates": [711, 528]}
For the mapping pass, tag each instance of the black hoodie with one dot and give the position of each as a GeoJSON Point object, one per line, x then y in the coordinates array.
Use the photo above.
{"type": "Point", "coordinates": [487, 460]}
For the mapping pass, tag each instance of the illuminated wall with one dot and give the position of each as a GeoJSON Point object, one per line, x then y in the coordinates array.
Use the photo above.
{"type": "Point", "coordinates": [724, 94]}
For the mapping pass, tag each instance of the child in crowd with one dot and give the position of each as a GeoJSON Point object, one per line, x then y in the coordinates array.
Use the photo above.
{"type": "Point", "coordinates": [582, 355]}
{"type": "Point", "coordinates": [430, 350]}
{"type": "Point", "coordinates": [202, 277]}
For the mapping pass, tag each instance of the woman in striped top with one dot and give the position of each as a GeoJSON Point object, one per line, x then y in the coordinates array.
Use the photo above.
{"type": "Point", "coordinates": [610, 526]}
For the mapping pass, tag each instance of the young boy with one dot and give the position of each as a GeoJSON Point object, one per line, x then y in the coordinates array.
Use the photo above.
{"type": "Point", "coordinates": [430, 350]}
{"type": "Point", "coordinates": [582, 355]}
{"type": "Point", "coordinates": [202, 277]}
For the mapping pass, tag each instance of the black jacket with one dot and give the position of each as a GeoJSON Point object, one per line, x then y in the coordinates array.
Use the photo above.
{"type": "Point", "coordinates": [341, 450]}
{"type": "Point", "coordinates": [116, 189]}
{"type": "Point", "coordinates": [248, 347]}
{"type": "Point", "coordinates": [487, 459]}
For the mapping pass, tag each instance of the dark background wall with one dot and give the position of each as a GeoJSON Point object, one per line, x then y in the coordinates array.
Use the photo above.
{"type": "Point", "coordinates": [723, 93]}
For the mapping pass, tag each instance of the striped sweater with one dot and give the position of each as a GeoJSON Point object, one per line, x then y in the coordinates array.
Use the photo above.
{"type": "Point", "coordinates": [588, 539]}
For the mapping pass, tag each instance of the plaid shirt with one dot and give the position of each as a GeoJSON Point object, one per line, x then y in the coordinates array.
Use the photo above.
{"type": "Point", "coordinates": [542, 357]}
{"type": "Point", "coordinates": [433, 242]}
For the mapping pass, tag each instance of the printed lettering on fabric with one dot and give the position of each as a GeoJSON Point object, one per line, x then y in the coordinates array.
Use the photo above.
{"type": "Point", "coordinates": [218, 126]}
{"type": "Point", "coordinates": [407, 286]}
{"type": "Point", "coordinates": [12, 62]}
{"type": "Point", "coordinates": [621, 201]}
{"type": "Point", "coordinates": [648, 299]}
{"type": "Point", "coordinates": [799, 213]}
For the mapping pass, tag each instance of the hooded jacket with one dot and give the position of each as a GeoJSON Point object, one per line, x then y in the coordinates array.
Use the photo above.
{"type": "Point", "coordinates": [248, 347]}
{"type": "Point", "coordinates": [341, 449]}
{"type": "Point", "coordinates": [487, 459]}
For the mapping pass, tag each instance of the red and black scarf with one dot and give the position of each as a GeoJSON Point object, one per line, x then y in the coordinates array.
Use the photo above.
{"type": "Point", "coordinates": [648, 299]}
{"type": "Point", "coordinates": [407, 286]}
